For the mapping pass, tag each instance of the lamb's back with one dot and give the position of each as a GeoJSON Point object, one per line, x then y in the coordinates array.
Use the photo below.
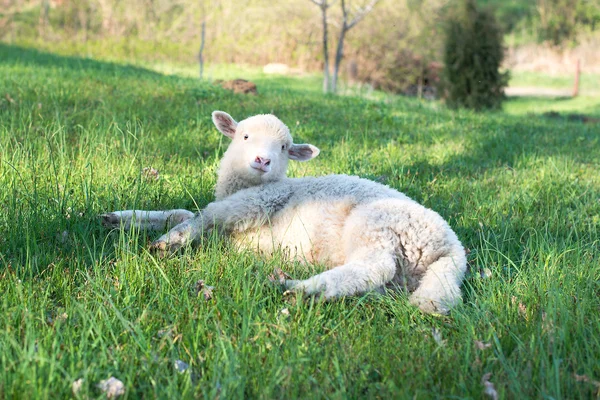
{"type": "Point", "coordinates": [335, 187]}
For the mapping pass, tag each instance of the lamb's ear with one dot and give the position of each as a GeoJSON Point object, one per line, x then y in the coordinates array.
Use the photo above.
{"type": "Point", "coordinates": [224, 123]}
{"type": "Point", "coordinates": [303, 152]}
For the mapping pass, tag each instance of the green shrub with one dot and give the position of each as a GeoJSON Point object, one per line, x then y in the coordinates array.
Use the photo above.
{"type": "Point", "coordinates": [473, 53]}
{"type": "Point", "coordinates": [559, 21]}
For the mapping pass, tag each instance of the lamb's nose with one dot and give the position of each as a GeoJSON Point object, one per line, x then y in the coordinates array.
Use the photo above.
{"type": "Point", "coordinates": [262, 161]}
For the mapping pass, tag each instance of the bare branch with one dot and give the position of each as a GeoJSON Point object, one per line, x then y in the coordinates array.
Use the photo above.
{"type": "Point", "coordinates": [362, 13]}
{"type": "Point", "coordinates": [323, 3]}
{"type": "Point", "coordinates": [331, 21]}
{"type": "Point", "coordinates": [359, 14]}
{"type": "Point", "coordinates": [344, 14]}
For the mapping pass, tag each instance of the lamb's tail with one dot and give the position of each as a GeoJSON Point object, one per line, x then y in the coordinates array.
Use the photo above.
{"type": "Point", "coordinates": [439, 289]}
{"type": "Point", "coordinates": [149, 220]}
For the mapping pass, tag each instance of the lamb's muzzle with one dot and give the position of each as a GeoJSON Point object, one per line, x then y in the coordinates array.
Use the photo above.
{"type": "Point", "coordinates": [261, 164]}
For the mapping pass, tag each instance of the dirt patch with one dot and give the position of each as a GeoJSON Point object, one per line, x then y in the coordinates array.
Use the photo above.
{"type": "Point", "coordinates": [238, 86]}
{"type": "Point", "coordinates": [536, 92]}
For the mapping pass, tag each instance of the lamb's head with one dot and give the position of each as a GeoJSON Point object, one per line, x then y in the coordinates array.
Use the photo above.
{"type": "Point", "coordinates": [260, 148]}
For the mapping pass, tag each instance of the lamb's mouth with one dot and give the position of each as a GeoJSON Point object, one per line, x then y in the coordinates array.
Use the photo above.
{"type": "Point", "coordinates": [261, 169]}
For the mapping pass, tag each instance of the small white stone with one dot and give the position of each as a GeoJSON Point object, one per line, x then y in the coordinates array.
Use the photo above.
{"type": "Point", "coordinates": [486, 273]}
{"type": "Point", "coordinates": [112, 387]}
{"type": "Point", "coordinates": [76, 386]}
{"type": "Point", "coordinates": [488, 387]}
{"type": "Point", "coordinates": [180, 366]}
{"type": "Point", "coordinates": [437, 336]}
{"type": "Point", "coordinates": [482, 345]}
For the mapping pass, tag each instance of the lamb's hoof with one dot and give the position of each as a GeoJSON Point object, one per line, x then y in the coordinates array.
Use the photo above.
{"type": "Point", "coordinates": [279, 277]}
{"type": "Point", "coordinates": [110, 220]}
{"type": "Point", "coordinates": [298, 290]}
{"type": "Point", "coordinates": [291, 296]}
{"type": "Point", "coordinates": [292, 285]}
{"type": "Point", "coordinates": [163, 249]}
{"type": "Point", "coordinates": [430, 306]}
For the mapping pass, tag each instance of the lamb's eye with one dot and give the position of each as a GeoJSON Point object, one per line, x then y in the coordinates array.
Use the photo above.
{"type": "Point", "coordinates": [245, 137]}
{"type": "Point", "coordinates": [283, 148]}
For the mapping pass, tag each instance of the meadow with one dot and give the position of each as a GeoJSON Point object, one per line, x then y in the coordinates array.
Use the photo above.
{"type": "Point", "coordinates": [521, 190]}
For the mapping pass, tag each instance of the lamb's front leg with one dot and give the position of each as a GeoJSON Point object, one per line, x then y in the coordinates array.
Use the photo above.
{"type": "Point", "coordinates": [355, 277]}
{"type": "Point", "coordinates": [141, 219]}
{"type": "Point", "coordinates": [235, 213]}
{"type": "Point", "coordinates": [243, 210]}
{"type": "Point", "coordinates": [181, 235]}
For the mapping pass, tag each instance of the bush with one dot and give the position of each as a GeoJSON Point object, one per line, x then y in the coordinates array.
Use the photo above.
{"type": "Point", "coordinates": [400, 52]}
{"type": "Point", "coordinates": [559, 21]}
{"type": "Point", "coordinates": [473, 53]}
{"type": "Point", "coordinates": [393, 49]}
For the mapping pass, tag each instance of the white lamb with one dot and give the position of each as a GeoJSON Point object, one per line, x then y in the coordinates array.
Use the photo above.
{"type": "Point", "coordinates": [371, 237]}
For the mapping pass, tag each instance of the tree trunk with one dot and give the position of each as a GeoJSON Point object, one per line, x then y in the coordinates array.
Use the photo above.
{"type": "Point", "coordinates": [200, 53]}
{"type": "Point", "coordinates": [576, 83]}
{"type": "Point", "coordinates": [106, 12]}
{"type": "Point", "coordinates": [326, 87]}
{"type": "Point", "coordinates": [339, 54]}
{"type": "Point", "coordinates": [84, 21]}
{"type": "Point", "coordinates": [43, 21]}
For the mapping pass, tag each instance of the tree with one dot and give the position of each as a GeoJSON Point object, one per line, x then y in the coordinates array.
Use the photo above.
{"type": "Point", "coordinates": [349, 20]}
{"type": "Point", "coordinates": [473, 54]}
{"type": "Point", "coordinates": [324, 5]}
{"type": "Point", "coordinates": [560, 21]}
{"type": "Point", "coordinates": [202, 36]}
{"type": "Point", "coordinates": [205, 16]}
{"type": "Point", "coordinates": [44, 18]}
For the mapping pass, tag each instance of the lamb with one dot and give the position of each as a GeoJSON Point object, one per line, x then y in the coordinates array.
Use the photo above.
{"type": "Point", "coordinates": [370, 236]}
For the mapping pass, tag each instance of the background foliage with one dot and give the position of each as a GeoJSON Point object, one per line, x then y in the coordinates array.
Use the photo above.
{"type": "Point", "coordinates": [473, 54]}
{"type": "Point", "coordinates": [392, 49]}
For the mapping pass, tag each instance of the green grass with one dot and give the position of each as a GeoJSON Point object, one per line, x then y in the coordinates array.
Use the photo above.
{"type": "Point", "coordinates": [589, 83]}
{"type": "Point", "coordinates": [512, 14]}
{"type": "Point", "coordinates": [521, 191]}
{"type": "Point", "coordinates": [587, 103]}
{"type": "Point", "coordinates": [532, 106]}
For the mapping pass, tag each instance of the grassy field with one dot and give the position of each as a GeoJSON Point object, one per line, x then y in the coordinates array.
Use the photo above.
{"type": "Point", "coordinates": [522, 192]}
{"type": "Point", "coordinates": [588, 82]}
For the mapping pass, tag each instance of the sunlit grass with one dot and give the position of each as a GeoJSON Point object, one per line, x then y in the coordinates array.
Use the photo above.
{"type": "Point", "coordinates": [521, 191]}
{"type": "Point", "coordinates": [589, 83]}
{"type": "Point", "coordinates": [589, 106]}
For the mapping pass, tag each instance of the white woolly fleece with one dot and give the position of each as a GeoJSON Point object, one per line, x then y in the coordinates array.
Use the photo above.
{"type": "Point", "coordinates": [371, 236]}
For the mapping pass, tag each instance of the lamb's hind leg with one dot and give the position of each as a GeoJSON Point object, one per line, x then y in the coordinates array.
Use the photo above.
{"type": "Point", "coordinates": [149, 220]}
{"type": "Point", "coordinates": [439, 289]}
{"type": "Point", "coordinates": [370, 260]}
{"type": "Point", "coordinates": [369, 271]}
